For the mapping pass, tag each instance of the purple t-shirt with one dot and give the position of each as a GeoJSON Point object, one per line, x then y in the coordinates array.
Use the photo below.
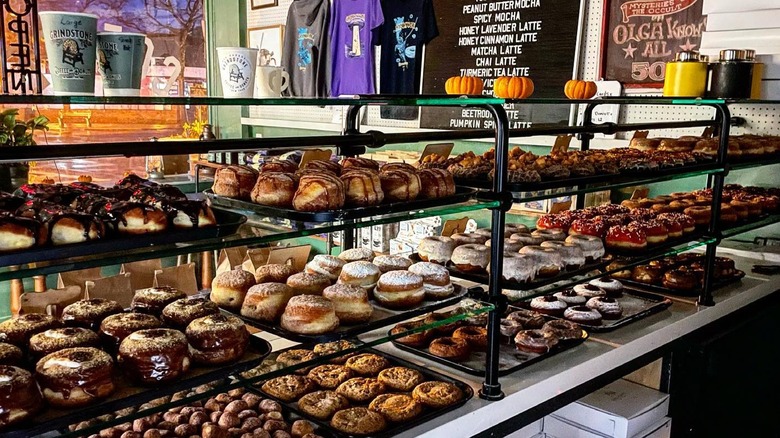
{"type": "Point", "coordinates": [352, 54]}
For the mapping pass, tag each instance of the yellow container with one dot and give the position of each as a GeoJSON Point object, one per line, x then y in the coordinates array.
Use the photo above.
{"type": "Point", "coordinates": [686, 76]}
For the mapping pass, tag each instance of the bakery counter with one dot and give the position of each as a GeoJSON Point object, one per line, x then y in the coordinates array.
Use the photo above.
{"type": "Point", "coordinates": [545, 386]}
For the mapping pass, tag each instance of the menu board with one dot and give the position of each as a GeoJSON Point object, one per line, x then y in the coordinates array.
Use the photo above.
{"type": "Point", "coordinates": [641, 36]}
{"type": "Point", "coordinates": [488, 39]}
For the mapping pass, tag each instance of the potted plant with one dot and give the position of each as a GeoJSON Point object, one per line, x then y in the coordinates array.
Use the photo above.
{"type": "Point", "coordinates": [15, 132]}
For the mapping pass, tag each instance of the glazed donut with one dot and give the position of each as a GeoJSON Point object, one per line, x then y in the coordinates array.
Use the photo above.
{"type": "Point", "coordinates": [153, 300]}
{"type": "Point", "coordinates": [322, 404]}
{"type": "Point", "coordinates": [468, 239]}
{"type": "Point", "coordinates": [548, 261]}
{"type": "Point", "coordinates": [509, 329]}
{"type": "Point", "coordinates": [361, 389]}
{"type": "Point", "coordinates": [181, 312]}
{"type": "Point", "coordinates": [728, 214]}
{"type": "Point", "coordinates": [350, 302]}
{"type": "Point", "coordinates": [510, 229]}
{"type": "Point", "coordinates": [570, 297]}
{"type": "Point", "coordinates": [446, 329]}
{"type": "Point", "coordinates": [217, 339]}
{"type": "Point", "coordinates": [476, 337]}
{"type": "Point", "coordinates": [274, 189]}
{"type": "Point", "coordinates": [309, 315]}
{"type": "Point", "coordinates": [436, 249]}
{"type": "Point", "coordinates": [319, 192]}
{"type": "Point", "coordinates": [563, 330]}
{"type": "Point", "coordinates": [471, 257]}
{"type": "Point", "coordinates": [367, 364]}
{"type": "Point", "coordinates": [358, 421]}
{"type": "Point", "coordinates": [10, 354]}
{"type": "Point", "coordinates": [613, 288]}
{"type": "Point", "coordinates": [583, 315]}
{"type": "Point", "coordinates": [663, 208]}
{"type": "Point", "coordinates": [362, 274]}
{"type": "Point", "coordinates": [510, 245]}
{"type": "Point", "coordinates": [20, 395]}
{"type": "Point", "coordinates": [436, 280]}
{"type": "Point", "coordinates": [553, 222]}
{"type": "Point", "coordinates": [327, 265]}
{"type": "Point", "coordinates": [396, 407]}
{"type": "Point", "coordinates": [334, 347]}
{"type": "Point", "coordinates": [363, 187]}
{"type": "Point", "coordinates": [617, 269]}
{"type": "Point", "coordinates": [399, 185]}
{"type": "Point", "coordinates": [274, 273]}
{"type": "Point", "coordinates": [387, 263]}
{"type": "Point", "coordinates": [655, 231]}
{"type": "Point", "coordinates": [135, 218]}
{"type": "Point", "coordinates": [330, 376]}
{"type": "Point", "coordinates": [357, 254]}
{"type": "Point", "coordinates": [681, 279]}
{"type": "Point", "coordinates": [357, 162]}
{"type": "Point", "coordinates": [305, 283]}
{"type": "Point", "coordinates": [57, 339]}
{"type": "Point", "coordinates": [450, 348]}
{"type": "Point", "coordinates": [115, 328]}
{"type": "Point", "coordinates": [701, 214]}
{"type": "Point", "coordinates": [418, 339]}
{"type": "Point", "coordinates": [75, 377]}
{"type": "Point", "coordinates": [527, 238]}
{"type": "Point", "coordinates": [528, 318]}
{"type": "Point", "coordinates": [322, 166]}
{"type": "Point", "coordinates": [623, 237]}
{"type": "Point", "coordinates": [520, 268]}
{"type": "Point", "coordinates": [589, 291]}
{"type": "Point", "coordinates": [535, 341]}
{"type": "Point", "coordinates": [572, 255]}
{"type": "Point", "coordinates": [89, 313]}
{"type": "Point", "coordinates": [18, 330]}
{"type": "Point", "coordinates": [399, 290]}
{"type": "Point", "coordinates": [546, 235]}
{"type": "Point", "coordinates": [687, 223]}
{"type": "Point", "coordinates": [588, 227]}
{"type": "Point", "coordinates": [277, 166]}
{"type": "Point", "coordinates": [289, 387]}
{"type": "Point", "coordinates": [548, 305]}
{"type": "Point", "coordinates": [435, 183]}
{"type": "Point", "coordinates": [18, 233]}
{"type": "Point", "coordinates": [435, 394]}
{"type": "Point", "coordinates": [678, 205]}
{"type": "Point", "coordinates": [154, 356]}
{"type": "Point", "coordinates": [234, 182]}
{"type": "Point", "coordinates": [592, 247]}
{"type": "Point", "coordinates": [400, 378]}
{"type": "Point", "coordinates": [609, 308]}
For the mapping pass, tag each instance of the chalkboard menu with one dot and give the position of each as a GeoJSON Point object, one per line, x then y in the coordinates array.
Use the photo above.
{"type": "Point", "coordinates": [641, 36]}
{"type": "Point", "coordinates": [488, 39]}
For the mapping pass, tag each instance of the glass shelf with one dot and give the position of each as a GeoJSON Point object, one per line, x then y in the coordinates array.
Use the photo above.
{"type": "Point", "coordinates": [756, 162]}
{"type": "Point", "coordinates": [744, 228]}
{"type": "Point", "coordinates": [259, 230]}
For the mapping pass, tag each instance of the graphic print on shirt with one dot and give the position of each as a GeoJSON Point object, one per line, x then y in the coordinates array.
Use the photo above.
{"type": "Point", "coordinates": [403, 31]}
{"type": "Point", "coordinates": [305, 43]}
{"type": "Point", "coordinates": [355, 22]}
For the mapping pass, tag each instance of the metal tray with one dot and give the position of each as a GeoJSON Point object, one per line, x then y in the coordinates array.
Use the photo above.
{"type": "Point", "coordinates": [395, 428]}
{"type": "Point", "coordinates": [718, 283]}
{"type": "Point", "coordinates": [127, 395]}
{"type": "Point", "coordinates": [380, 318]}
{"type": "Point", "coordinates": [510, 359]}
{"type": "Point", "coordinates": [228, 223]}
{"type": "Point", "coordinates": [461, 194]}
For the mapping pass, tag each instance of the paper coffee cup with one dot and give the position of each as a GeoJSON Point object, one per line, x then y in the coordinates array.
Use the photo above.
{"type": "Point", "coordinates": [237, 70]}
{"type": "Point", "coordinates": [70, 47]}
{"type": "Point", "coordinates": [120, 61]}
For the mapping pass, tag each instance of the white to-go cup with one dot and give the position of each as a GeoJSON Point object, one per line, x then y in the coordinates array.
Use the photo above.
{"type": "Point", "coordinates": [237, 70]}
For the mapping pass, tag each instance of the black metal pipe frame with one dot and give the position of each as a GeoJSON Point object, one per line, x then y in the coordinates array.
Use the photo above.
{"type": "Point", "coordinates": [351, 127]}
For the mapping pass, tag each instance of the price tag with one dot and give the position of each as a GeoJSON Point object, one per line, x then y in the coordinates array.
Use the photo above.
{"type": "Point", "coordinates": [562, 143]}
{"type": "Point", "coordinates": [440, 149]}
{"type": "Point", "coordinates": [315, 155]}
{"type": "Point", "coordinates": [640, 134]}
{"type": "Point", "coordinates": [454, 226]}
{"type": "Point", "coordinates": [640, 193]}
{"type": "Point", "coordinates": [708, 132]}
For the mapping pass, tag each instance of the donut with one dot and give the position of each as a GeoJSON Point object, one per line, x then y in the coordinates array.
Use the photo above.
{"type": "Point", "coordinates": [617, 269]}
{"type": "Point", "coordinates": [570, 297]}
{"type": "Point", "coordinates": [396, 407]}
{"type": "Point", "coordinates": [728, 214]}
{"type": "Point", "coordinates": [17, 233]}
{"type": "Point", "coordinates": [655, 231]}
{"type": "Point", "coordinates": [592, 246]}
{"type": "Point", "coordinates": [357, 254]}
{"type": "Point", "coordinates": [399, 290]}
{"type": "Point", "coordinates": [548, 305]}
{"type": "Point", "coordinates": [75, 377]}
{"type": "Point", "coordinates": [642, 214]}
{"type": "Point", "coordinates": [648, 274]}
{"type": "Point", "coordinates": [367, 364]}
{"type": "Point", "coordinates": [135, 218]}
{"type": "Point", "coordinates": [436, 249]}
{"type": "Point", "coordinates": [450, 348]}
{"type": "Point", "coordinates": [436, 394]}
{"type": "Point", "coordinates": [19, 329]}
{"type": "Point", "coordinates": [471, 257]}
{"type": "Point", "coordinates": [742, 211]}
{"type": "Point", "coordinates": [399, 185]}
{"type": "Point", "coordinates": [322, 404]}
{"type": "Point", "coordinates": [613, 288]}
{"type": "Point", "coordinates": [678, 205]}
{"type": "Point", "coordinates": [511, 228]}
{"type": "Point", "coordinates": [321, 166]}
{"type": "Point", "coordinates": [510, 245]}
{"type": "Point", "coordinates": [154, 356]}
{"type": "Point", "coordinates": [535, 341]}
{"type": "Point", "coordinates": [363, 187]}
{"type": "Point", "coordinates": [476, 337]}
{"type": "Point", "coordinates": [289, 387]}
{"type": "Point", "coordinates": [436, 280]}
{"type": "Point", "coordinates": [115, 328]}
{"type": "Point", "coordinates": [187, 214]}
{"type": "Point", "coordinates": [468, 239]}
{"type": "Point", "coordinates": [361, 389]}
{"type": "Point", "coordinates": [181, 312]}
{"type": "Point", "coordinates": [10, 354]}
{"type": "Point", "coordinates": [153, 300]}
{"type": "Point", "coordinates": [588, 227]}
{"type": "Point", "coordinates": [528, 318]}
{"type": "Point", "coordinates": [350, 302]}
{"type": "Point", "coordinates": [701, 214]}
{"type": "Point", "coordinates": [588, 291]}
{"type": "Point", "coordinates": [609, 308]}
{"type": "Point", "coordinates": [687, 223]}
{"type": "Point", "coordinates": [527, 238]}
{"type": "Point", "coordinates": [277, 165]}
{"type": "Point", "coordinates": [548, 261]}
{"type": "Point", "coordinates": [623, 237]}
{"type": "Point", "coordinates": [583, 315]}
{"type": "Point", "coordinates": [563, 330]}
{"type": "Point", "coordinates": [509, 329]}
{"type": "Point", "coordinates": [217, 339]}
{"type": "Point", "coordinates": [674, 228]}
{"type": "Point", "coordinates": [319, 192]}
{"type": "Point", "coordinates": [417, 339]}
{"type": "Point", "coordinates": [266, 302]}
{"type": "Point", "coordinates": [229, 288]}
{"type": "Point", "coordinates": [553, 222]}
{"type": "Point", "coordinates": [357, 162]}
{"type": "Point", "coordinates": [234, 182]}
{"type": "Point", "coordinates": [387, 263]}
{"type": "Point", "coordinates": [327, 265]}
{"type": "Point", "coordinates": [309, 315]}
{"type": "Point", "coordinates": [306, 283]}
{"type": "Point", "coordinates": [20, 396]}
{"type": "Point", "coordinates": [89, 313]}
{"type": "Point", "coordinates": [546, 235]}
{"type": "Point", "coordinates": [519, 268]}
{"type": "Point", "coordinates": [335, 347]}
{"type": "Point", "coordinates": [273, 273]}
{"type": "Point", "coordinates": [644, 144]}
{"type": "Point", "coordinates": [435, 183]}
{"type": "Point", "coordinates": [572, 255]}
{"type": "Point", "coordinates": [681, 279]}
{"type": "Point", "coordinates": [362, 274]}
{"type": "Point", "coordinates": [57, 339]}
{"type": "Point", "coordinates": [400, 378]}
{"type": "Point", "coordinates": [330, 376]}
{"type": "Point", "coordinates": [358, 421]}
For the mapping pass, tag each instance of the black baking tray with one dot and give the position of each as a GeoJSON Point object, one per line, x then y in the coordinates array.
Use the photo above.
{"type": "Point", "coordinates": [718, 283]}
{"type": "Point", "coordinates": [395, 428]}
{"type": "Point", "coordinates": [228, 223]}
{"type": "Point", "coordinates": [637, 304]}
{"type": "Point", "coordinates": [127, 395]}
{"type": "Point", "coordinates": [510, 359]}
{"type": "Point", "coordinates": [381, 317]}
{"type": "Point", "coordinates": [462, 194]}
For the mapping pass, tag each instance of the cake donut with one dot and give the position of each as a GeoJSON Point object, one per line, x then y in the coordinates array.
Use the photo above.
{"type": "Point", "coordinates": [75, 377]}
{"type": "Point", "coordinates": [546, 235]}
{"type": "Point", "coordinates": [57, 339]}
{"type": "Point", "coordinates": [181, 312]}
{"type": "Point", "coordinates": [471, 257]}
{"type": "Point", "coordinates": [154, 356]}
{"type": "Point", "coordinates": [527, 239]}
{"type": "Point", "coordinates": [468, 239]}
{"type": "Point", "coordinates": [153, 300]}
{"type": "Point", "coordinates": [229, 288]}
{"type": "Point", "coordinates": [306, 283]}
{"type": "Point", "coordinates": [476, 337]}
{"type": "Point", "coordinates": [571, 298]}
{"type": "Point", "coordinates": [436, 249]}
{"type": "Point", "coordinates": [399, 290]}
{"type": "Point", "coordinates": [548, 261]}
{"type": "Point", "coordinates": [309, 315]}
{"type": "Point", "coordinates": [327, 265]}
{"type": "Point", "coordinates": [18, 330]}
{"type": "Point", "coordinates": [450, 348]}
{"type": "Point", "coordinates": [387, 263]}
{"type": "Point", "coordinates": [548, 305]}
{"type": "Point", "coordinates": [583, 315]}
{"type": "Point", "coordinates": [350, 302]}
{"type": "Point", "coordinates": [89, 313]}
{"type": "Point", "coordinates": [115, 328]}
{"type": "Point", "coordinates": [572, 255]}
{"type": "Point", "coordinates": [436, 280]}
{"type": "Point", "coordinates": [266, 302]}
{"type": "Point", "coordinates": [613, 288]}
{"type": "Point", "coordinates": [21, 398]}
{"type": "Point", "coordinates": [609, 308]}
{"type": "Point", "coordinates": [217, 339]}
{"type": "Point", "coordinates": [510, 245]}
{"type": "Point", "coordinates": [592, 247]}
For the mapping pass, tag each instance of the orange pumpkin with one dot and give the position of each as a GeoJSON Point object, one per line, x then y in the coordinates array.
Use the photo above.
{"type": "Point", "coordinates": [513, 87]}
{"type": "Point", "coordinates": [576, 89]}
{"type": "Point", "coordinates": [469, 85]}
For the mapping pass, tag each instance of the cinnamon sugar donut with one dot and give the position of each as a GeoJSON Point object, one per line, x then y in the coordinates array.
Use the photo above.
{"type": "Point", "coordinates": [89, 313]}
{"type": "Point", "coordinates": [322, 404]}
{"type": "Point", "coordinates": [229, 288]}
{"type": "Point", "coordinates": [57, 339]}
{"type": "Point", "coordinates": [20, 395]}
{"type": "Point", "coordinates": [181, 312]}
{"type": "Point", "coordinates": [306, 283]}
{"type": "Point", "coordinates": [153, 300]}
{"type": "Point", "coordinates": [361, 389]}
{"type": "Point", "coordinates": [274, 273]}
{"type": "Point", "coordinates": [309, 315]}
{"type": "Point", "coordinates": [266, 302]}
{"type": "Point", "coordinates": [154, 356]}
{"type": "Point", "coordinates": [217, 339]}
{"type": "Point", "coordinates": [399, 290]}
{"type": "Point", "coordinates": [350, 303]}
{"type": "Point", "coordinates": [327, 265]}
{"type": "Point", "coordinates": [471, 257]}
{"type": "Point", "coordinates": [18, 330]}
{"type": "Point", "coordinates": [115, 328]}
{"type": "Point", "coordinates": [436, 249]}
{"type": "Point", "coordinates": [75, 377]}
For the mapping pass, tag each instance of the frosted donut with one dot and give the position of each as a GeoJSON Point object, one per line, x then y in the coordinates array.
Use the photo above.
{"type": "Point", "coordinates": [518, 267]}
{"type": "Point", "coordinates": [350, 302]}
{"type": "Point", "coordinates": [546, 235]}
{"type": "Point", "coordinates": [116, 328]}
{"type": "Point", "coordinates": [154, 356]}
{"type": "Point", "coordinates": [181, 312]}
{"type": "Point", "coordinates": [20, 394]}
{"type": "Point", "coordinates": [613, 288]}
{"type": "Point", "coordinates": [563, 330]}
{"type": "Point", "coordinates": [510, 245]}
{"type": "Point", "coordinates": [20, 329]}
{"type": "Point", "coordinates": [399, 290]}
{"type": "Point", "coordinates": [548, 260]}
{"type": "Point", "coordinates": [570, 297]}
{"type": "Point", "coordinates": [436, 249]}
{"type": "Point", "coordinates": [572, 255]}
{"type": "Point", "coordinates": [436, 280]}
{"type": "Point", "coordinates": [589, 290]}
{"type": "Point", "coordinates": [549, 305]}
{"type": "Point", "coordinates": [57, 339]}
{"type": "Point", "coordinates": [468, 238]}
{"type": "Point", "coordinates": [527, 238]}
{"type": "Point", "coordinates": [89, 313]}
{"type": "Point", "coordinates": [217, 339]}
{"type": "Point", "coordinates": [510, 229]}
{"type": "Point", "coordinates": [471, 257]}
{"type": "Point", "coordinates": [309, 315]}
{"type": "Point", "coordinates": [609, 308]}
{"type": "Point", "coordinates": [326, 265]}
{"type": "Point", "coordinates": [592, 247]}
{"type": "Point", "coordinates": [583, 315]}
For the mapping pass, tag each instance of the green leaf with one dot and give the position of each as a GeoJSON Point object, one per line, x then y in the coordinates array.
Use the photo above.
{"type": "Point", "coordinates": [9, 121]}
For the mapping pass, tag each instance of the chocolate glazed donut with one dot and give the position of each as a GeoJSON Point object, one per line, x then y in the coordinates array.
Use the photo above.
{"type": "Point", "coordinates": [154, 356]}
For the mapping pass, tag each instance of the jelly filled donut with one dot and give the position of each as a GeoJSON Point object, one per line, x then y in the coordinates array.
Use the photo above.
{"type": "Point", "coordinates": [400, 290]}
{"type": "Point", "coordinates": [623, 237]}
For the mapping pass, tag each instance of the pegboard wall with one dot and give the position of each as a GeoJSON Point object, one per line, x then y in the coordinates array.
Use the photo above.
{"type": "Point", "coordinates": [759, 119]}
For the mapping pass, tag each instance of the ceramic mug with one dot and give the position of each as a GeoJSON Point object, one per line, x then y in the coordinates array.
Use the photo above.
{"type": "Point", "coordinates": [271, 81]}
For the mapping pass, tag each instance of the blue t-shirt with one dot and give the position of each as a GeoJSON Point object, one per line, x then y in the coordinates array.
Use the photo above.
{"type": "Point", "coordinates": [352, 55]}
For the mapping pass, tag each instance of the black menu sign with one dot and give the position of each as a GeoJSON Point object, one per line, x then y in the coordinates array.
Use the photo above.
{"type": "Point", "coordinates": [488, 39]}
{"type": "Point", "coordinates": [643, 35]}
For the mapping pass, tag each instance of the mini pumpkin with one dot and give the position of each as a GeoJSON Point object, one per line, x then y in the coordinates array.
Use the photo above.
{"type": "Point", "coordinates": [469, 85]}
{"type": "Point", "coordinates": [513, 87]}
{"type": "Point", "coordinates": [576, 89]}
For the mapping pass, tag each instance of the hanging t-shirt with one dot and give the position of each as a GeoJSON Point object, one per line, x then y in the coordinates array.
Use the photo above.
{"type": "Point", "coordinates": [305, 53]}
{"type": "Point", "coordinates": [352, 51]}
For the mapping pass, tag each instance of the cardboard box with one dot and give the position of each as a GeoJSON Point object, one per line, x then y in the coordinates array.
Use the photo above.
{"type": "Point", "coordinates": [555, 427]}
{"type": "Point", "coordinates": [662, 429]}
{"type": "Point", "coordinates": [621, 409]}
{"type": "Point", "coordinates": [381, 236]}
{"type": "Point", "coordinates": [399, 247]}
{"type": "Point", "coordinates": [548, 205]}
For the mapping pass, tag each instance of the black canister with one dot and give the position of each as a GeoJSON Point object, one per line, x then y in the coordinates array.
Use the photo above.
{"type": "Point", "coordinates": [732, 76]}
